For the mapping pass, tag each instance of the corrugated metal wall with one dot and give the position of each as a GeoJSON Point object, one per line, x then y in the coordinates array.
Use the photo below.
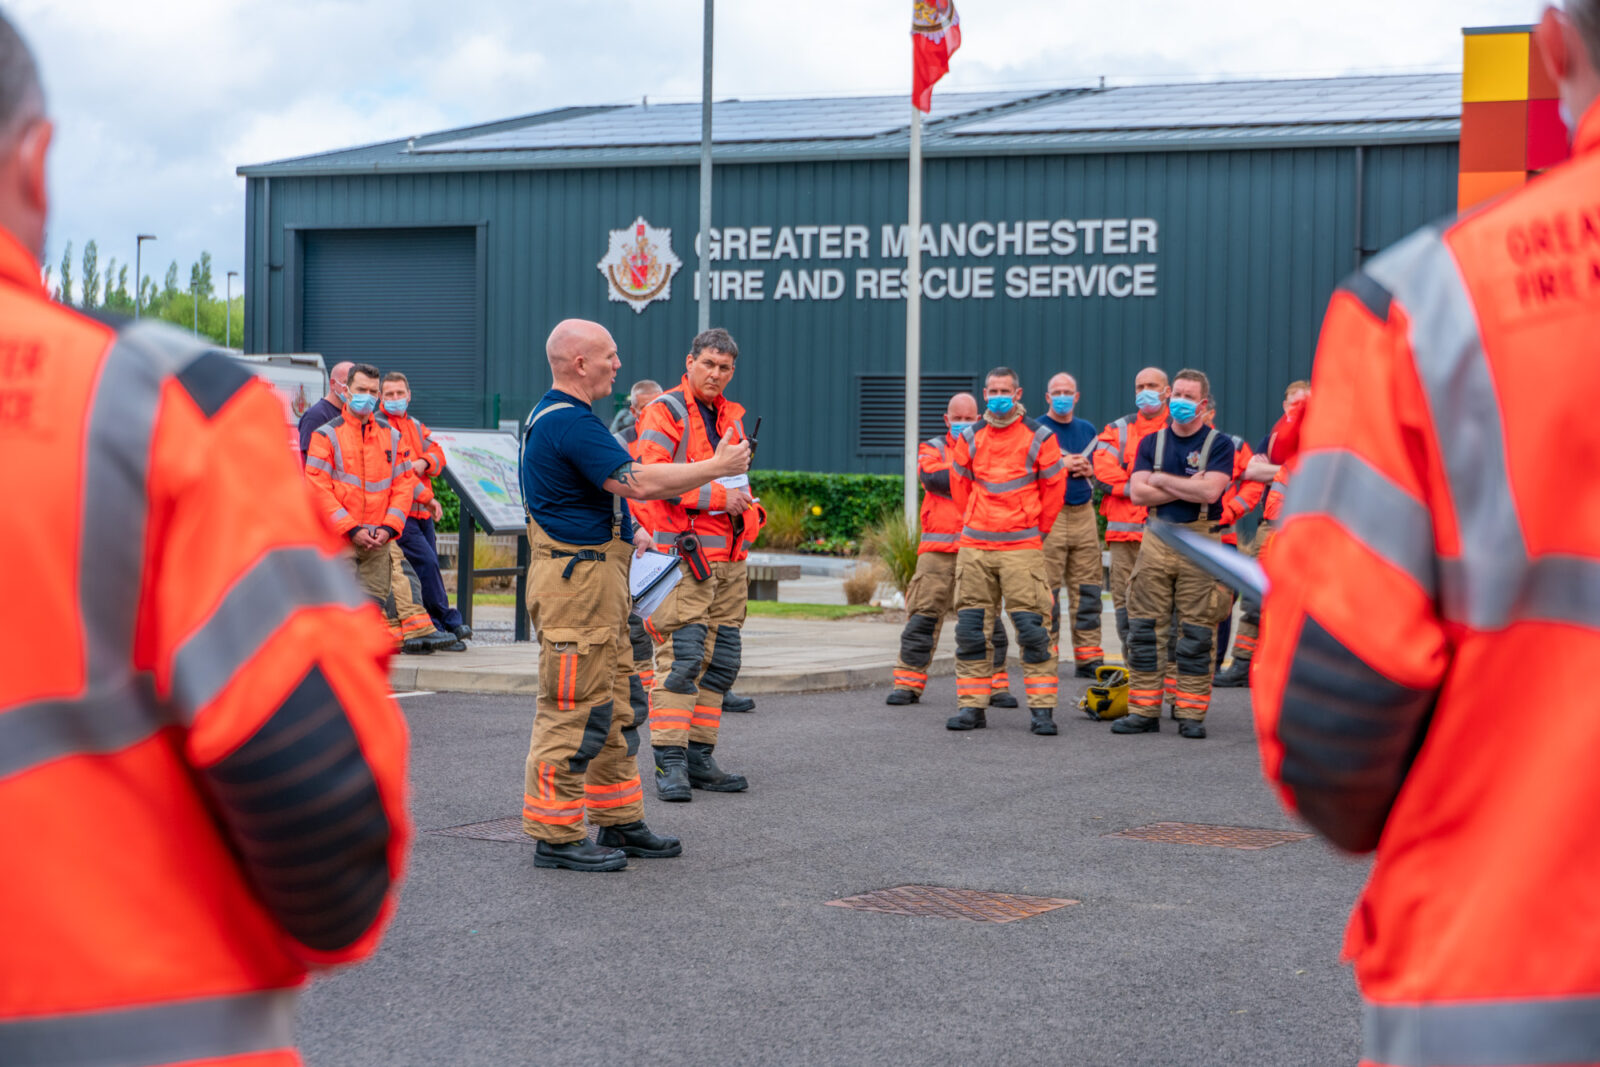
{"type": "Point", "coordinates": [1251, 245]}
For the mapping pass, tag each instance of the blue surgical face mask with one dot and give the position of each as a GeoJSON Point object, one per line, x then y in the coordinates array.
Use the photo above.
{"type": "Point", "coordinates": [1000, 405]}
{"type": "Point", "coordinates": [1183, 410]}
{"type": "Point", "coordinates": [1063, 405]}
{"type": "Point", "coordinates": [396, 407]}
{"type": "Point", "coordinates": [959, 428]}
{"type": "Point", "coordinates": [361, 403]}
{"type": "Point", "coordinates": [1148, 400]}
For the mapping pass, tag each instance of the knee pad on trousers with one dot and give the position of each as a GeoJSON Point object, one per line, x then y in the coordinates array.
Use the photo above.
{"type": "Point", "coordinates": [971, 641]}
{"type": "Point", "coordinates": [643, 647]}
{"type": "Point", "coordinates": [725, 655]}
{"type": "Point", "coordinates": [1194, 650]}
{"type": "Point", "coordinates": [1090, 608]}
{"type": "Point", "coordinates": [1032, 636]}
{"type": "Point", "coordinates": [1055, 611]}
{"type": "Point", "coordinates": [916, 641]}
{"type": "Point", "coordinates": [1002, 643]}
{"type": "Point", "coordinates": [1122, 625]}
{"type": "Point", "coordinates": [638, 699]}
{"type": "Point", "coordinates": [688, 649]}
{"type": "Point", "coordinates": [1141, 652]}
{"type": "Point", "coordinates": [595, 731]}
{"type": "Point", "coordinates": [1250, 614]}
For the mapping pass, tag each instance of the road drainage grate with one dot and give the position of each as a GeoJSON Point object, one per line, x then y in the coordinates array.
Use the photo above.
{"type": "Point", "coordinates": [508, 829]}
{"type": "Point", "coordinates": [941, 902]}
{"type": "Point", "coordinates": [1193, 833]}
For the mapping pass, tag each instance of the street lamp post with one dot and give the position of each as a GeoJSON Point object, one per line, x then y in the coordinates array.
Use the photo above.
{"type": "Point", "coordinates": [232, 274]}
{"type": "Point", "coordinates": [138, 276]}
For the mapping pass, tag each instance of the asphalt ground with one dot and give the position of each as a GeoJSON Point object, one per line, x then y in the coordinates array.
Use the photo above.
{"type": "Point", "coordinates": [730, 954]}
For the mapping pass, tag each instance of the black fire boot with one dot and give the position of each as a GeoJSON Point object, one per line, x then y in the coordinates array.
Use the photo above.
{"type": "Point", "coordinates": [732, 701]}
{"type": "Point", "coordinates": [1002, 698]}
{"type": "Point", "coordinates": [967, 719]}
{"type": "Point", "coordinates": [1087, 668]}
{"type": "Point", "coordinates": [1193, 729]}
{"type": "Point", "coordinates": [637, 839]}
{"type": "Point", "coordinates": [416, 646]}
{"type": "Point", "coordinates": [441, 640]}
{"type": "Point", "coordinates": [1133, 723]}
{"type": "Point", "coordinates": [900, 697]}
{"type": "Point", "coordinates": [672, 775]}
{"type": "Point", "coordinates": [463, 631]}
{"type": "Point", "coordinates": [1044, 723]}
{"type": "Point", "coordinates": [580, 855]}
{"type": "Point", "coordinates": [705, 774]}
{"type": "Point", "coordinates": [1237, 676]}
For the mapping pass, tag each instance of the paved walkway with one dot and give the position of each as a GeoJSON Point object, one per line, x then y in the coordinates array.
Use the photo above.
{"type": "Point", "coordinates": [780, 656]}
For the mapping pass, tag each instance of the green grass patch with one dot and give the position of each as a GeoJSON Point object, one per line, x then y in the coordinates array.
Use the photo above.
{"type": "Point", "coordinates": [773, 609]}
{"type": "Point", "coordinates": [503, 599]}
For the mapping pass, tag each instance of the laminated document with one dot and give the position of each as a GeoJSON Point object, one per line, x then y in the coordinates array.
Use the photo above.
{"type": "Point", "coordinates": [650, 578]}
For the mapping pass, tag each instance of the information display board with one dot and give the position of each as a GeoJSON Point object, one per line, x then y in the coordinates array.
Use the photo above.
{"type": "Point", "coordinates": [481, 466]}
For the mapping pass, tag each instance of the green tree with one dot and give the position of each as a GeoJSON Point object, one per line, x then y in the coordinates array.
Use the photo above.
{"type": "Point", "coordinates": [200, 278]}
{"type": "Point", "coordinates": [91, 275]}
{"type": "Point", "coordinates": [48, 271]}
{"type": "Point", "coordinates": [170, 288]}
{"type": "Point", "coordinates": [66, 274]}
{"type": "Point", "coordinates": [124, 301]}
{"type": "Point", "coordinates": [147, 291]}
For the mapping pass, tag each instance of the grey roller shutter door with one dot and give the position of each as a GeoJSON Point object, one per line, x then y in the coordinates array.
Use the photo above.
{"type": "Point", "coordinates": [405, 300]}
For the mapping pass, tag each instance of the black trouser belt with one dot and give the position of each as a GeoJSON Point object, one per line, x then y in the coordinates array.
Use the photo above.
{"type": "Point", "coordinates": [584, 554]}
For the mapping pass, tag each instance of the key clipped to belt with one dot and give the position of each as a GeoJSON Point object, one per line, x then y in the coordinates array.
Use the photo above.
{"type": "Point", "coordinates": [692, 553]}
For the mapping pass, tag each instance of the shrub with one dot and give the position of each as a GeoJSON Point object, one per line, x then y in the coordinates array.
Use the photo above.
{"type": "Point", "coordinates": [786, 522]}
{"type": "Point", "coordinates": [487, 555]}
{"type": "Point", "coordinates": [451, 520]}
{"type": "Point", "coordinates": [862, 584]}
{"type": "Point", "coordinates": [894, 544]}
{"type": "Point", "coordinates": [849, 502]}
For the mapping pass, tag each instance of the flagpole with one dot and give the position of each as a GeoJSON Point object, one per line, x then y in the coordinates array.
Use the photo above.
{"type": "Point", "coordinates": [705, 173]}
{"type": "Point", "coordinates": [913, 315]}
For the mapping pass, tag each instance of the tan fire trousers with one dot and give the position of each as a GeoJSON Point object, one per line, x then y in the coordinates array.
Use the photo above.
{"type": "Point", "coordinates": [698, 646]}
{"type": "Point", "coordinates": [984, 578]}
{"type": "Point", "coordinates": [1162, 582]}
{"type": "Point", "coordinates": [581, 762]}
{"type": "Point", "coordinates": [929, 598]}
{"type": "Point", "coordinates": [1072, 560]}
{"type": "Point", "coordinates": [1248, 634]}
{"type": "Point", "coordinates": [1124, 555]}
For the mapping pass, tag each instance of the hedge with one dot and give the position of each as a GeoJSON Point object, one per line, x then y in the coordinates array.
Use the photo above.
{"type": "Point", "coordinates": [849, 502]}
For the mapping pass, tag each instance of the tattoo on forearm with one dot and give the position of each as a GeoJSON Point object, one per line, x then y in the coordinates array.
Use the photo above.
{"type": "Point", "coordinates": [624, 474]}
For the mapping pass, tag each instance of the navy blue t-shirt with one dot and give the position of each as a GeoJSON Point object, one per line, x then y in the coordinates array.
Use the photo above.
{"type": "Point", "coordinates": [1074, 437]}
{"type": "Point", "coordinates": [567, 456]}
{"type": "Point", "coordinates": [1183, 459]}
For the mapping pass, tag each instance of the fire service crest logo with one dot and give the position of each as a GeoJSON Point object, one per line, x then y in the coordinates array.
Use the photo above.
{"type": "Point", "coordinates": [933, 18]}
{"type": "Point", "coordinates": [639, 265]}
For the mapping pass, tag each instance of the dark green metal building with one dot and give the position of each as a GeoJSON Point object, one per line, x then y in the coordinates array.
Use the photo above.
{"type": "Point", "coordinates": [1095, 231]}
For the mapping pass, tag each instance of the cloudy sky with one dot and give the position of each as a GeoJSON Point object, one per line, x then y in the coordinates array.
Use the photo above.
{"type": "Point", "coordinates": [158, 101]}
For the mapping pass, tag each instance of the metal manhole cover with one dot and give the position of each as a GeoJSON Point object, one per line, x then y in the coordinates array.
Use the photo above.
{"type": "Point", "coordinates": [1193, 833]}
{"type": "Point", "coordinates": [973, 905]}
{"type": "Point", "coordinates": [508, 829]}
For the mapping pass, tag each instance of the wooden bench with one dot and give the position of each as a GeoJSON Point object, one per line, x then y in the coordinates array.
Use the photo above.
{"type": "Point", "coordinates": [764, 578]}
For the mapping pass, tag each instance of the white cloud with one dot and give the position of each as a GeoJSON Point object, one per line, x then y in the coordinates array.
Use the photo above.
{"type": "Point", "coordinates": [158, 101]}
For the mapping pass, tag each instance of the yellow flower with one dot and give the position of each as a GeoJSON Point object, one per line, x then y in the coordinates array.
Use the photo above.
{"type": "Point", "coordinates": [816, 509]}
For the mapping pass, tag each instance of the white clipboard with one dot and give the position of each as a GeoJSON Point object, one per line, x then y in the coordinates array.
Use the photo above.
{"type": "Point", "coordinates": [1234, 569]}
{"type": "Point", "coordinates": [650, 578]}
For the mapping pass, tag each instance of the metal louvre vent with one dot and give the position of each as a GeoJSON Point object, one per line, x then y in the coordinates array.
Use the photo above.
{"type": "Point", "coordinates": [881, 418]}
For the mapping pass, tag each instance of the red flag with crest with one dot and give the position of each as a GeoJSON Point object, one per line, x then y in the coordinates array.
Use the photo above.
{"type": "Point", "coordinates": [935, 36]}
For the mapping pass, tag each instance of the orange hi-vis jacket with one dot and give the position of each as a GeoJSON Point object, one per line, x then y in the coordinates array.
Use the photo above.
{"type": "Point", "coordinates": [1273, 510]}
{"type": "Point", "coordinates": [1241, 496]}
{"type": "Point", "coordinates": [202, 773]}
{"type": "Point", "coordinates": [940, 515]}
{"type": "Point", "coordinates": [360, 476]}
{"type": "Point", "coordinates": [1009, 482]}
{"type": "Point", "coordinates": [1432, 559]}
{"type": "Point", "coordinates": [416, 443]}
{"type": "Point", "coordinates": [1113, 466]}
{"type": "Point", "coordinates": [672, 430]}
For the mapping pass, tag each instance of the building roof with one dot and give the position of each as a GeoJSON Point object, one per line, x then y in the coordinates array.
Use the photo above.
{"type": "Point", "coordinates": [1409, 108]}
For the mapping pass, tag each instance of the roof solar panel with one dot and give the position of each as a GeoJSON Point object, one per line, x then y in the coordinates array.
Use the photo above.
{"type": "Point", "coordinates": [733, 121]}
{"type": "Point", "coordinates": [1377, 99]}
